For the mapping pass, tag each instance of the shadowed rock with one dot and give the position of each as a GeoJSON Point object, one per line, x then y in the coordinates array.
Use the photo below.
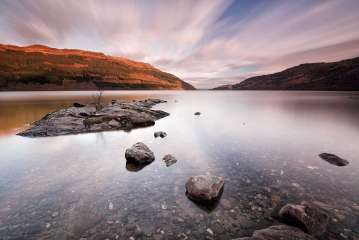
{"type": "Point", "coordinates": [139, 153]}
{"type": "Point", "coordinates": [333, 159]}
{"type": "Point", "coordinates": [279, 232]}
{"type": "Point", "coordinates": [307, 216]}
{"type": "Point", "coordinates": [204, 188]}
{"type": "Point", "coordinates": [76, 104]}
{"type": "Point", "coordinates": [160, 134]}
{"type": "Point", "coordinates": [112, 116]}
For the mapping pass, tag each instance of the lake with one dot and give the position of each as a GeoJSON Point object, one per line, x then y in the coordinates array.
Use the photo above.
{"type": "Point", "coordinates": [264, 143]}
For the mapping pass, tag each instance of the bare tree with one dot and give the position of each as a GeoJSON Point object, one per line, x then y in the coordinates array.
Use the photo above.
{"type": "Point", "coordinates": [97, 99]}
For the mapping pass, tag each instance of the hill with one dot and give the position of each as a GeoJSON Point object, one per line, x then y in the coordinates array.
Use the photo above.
{"type": "Point", "coordinates": [334, 76]}
{"type": "Point", "coordinates": [38, 67]}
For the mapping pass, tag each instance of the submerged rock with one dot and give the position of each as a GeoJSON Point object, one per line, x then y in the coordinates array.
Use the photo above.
{"type": "Point", "coordinates": [197, 113]}
{"type": "Point", "coordinates": [204, 188]}
{"type": "Point", "coordinates": [113, 116]}
{"type": "Point", "coordinates": [139, 153]}
{"type": "Point", "coordinates": [307, 216]}
{"type": "Point", "coordinates": [279, 232]}
{"type": "Point", "coordinates": [333, 159]}
{"type": "Point", "coordinates": [169, 160]}
{"type": "Point", "coordinates": [160, 134]}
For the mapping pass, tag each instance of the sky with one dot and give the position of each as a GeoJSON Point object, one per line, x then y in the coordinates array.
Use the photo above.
{"type": "Point", "coordinates": [204, 42]}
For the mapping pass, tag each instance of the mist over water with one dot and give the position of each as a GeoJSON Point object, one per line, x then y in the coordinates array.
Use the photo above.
{"type": "Point", "coordinates": [264, 144]}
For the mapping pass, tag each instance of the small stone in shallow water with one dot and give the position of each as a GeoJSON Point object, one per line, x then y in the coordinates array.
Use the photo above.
{"type": "Point", "coordinates": [204, 188]}
{"type": "Point", "coordinates": [139, 153]}
{"type": "Point", "coordinates": [160, 134]}
{"type": "Point", "coordinates": [169, 160]}
{"type": "Point", "coordinates": [333, 159]}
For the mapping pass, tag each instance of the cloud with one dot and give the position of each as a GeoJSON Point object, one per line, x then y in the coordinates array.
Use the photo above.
{"type": "Point", "coordinates": [206, 42]}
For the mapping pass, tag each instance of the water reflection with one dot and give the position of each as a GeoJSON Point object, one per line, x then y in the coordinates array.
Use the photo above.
{"type": "Point", "coordinates": [62, 187]}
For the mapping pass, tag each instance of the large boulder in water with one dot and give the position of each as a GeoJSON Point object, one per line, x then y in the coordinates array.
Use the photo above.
{"type": "Point", "coordinates": [204, 188]}
{"type": "Point", "coordinates": [139, 153]}
{"type": "Point", "coordinates": [307, 216]}
{"type": "Point", "coordinates": [333, 159]}
{"type": "Point", "coordinates": [279, 232]}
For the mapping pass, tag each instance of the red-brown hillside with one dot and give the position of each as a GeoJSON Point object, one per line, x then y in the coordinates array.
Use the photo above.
{"type": "Point", "coordinates": [38, 67]}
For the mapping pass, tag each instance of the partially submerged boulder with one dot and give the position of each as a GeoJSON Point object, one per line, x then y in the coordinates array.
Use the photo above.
{"type": "Point", "coordinates": [307, 216]}
{"type": "Point", "coordinates": [204, 188]}
{"type": "Point", "coordinates": [279, 232]}
{"type": "Point", "coordinates": [113, 116]}
{"type": "Point", "coordinates": [333, 159]}
{"type": "Point", "coordinates": [140, 154]}
{"type": "Point", "coordinates": [169, 160]}
{"type": "Point", "coordinates": [160, 134]}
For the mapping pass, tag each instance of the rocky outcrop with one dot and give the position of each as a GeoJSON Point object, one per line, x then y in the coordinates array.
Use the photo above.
{"type": "Point", "coordinates": [112, 116]}
{"type": "Point", "coordinates": [41, 68]}
{"type": "Point", "coordinates": [169, 160]}
{"type": "Point", "coordinates": [140, 154]}
{"type": "Point", "coordinates": [335, 76]}
{"type": "Point", "coordinates": [279, 232]}
{"type": "Point", "coordinates": [204, 188]}
{"type": "Point", "coordinates": [307, 216]}
{"type": "Point", "coordinates": [334, 159]}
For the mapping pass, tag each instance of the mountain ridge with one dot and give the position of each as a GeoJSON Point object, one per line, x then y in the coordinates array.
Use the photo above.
{"type": "Point", "coordinates": [323, 76]}
{"type": "Point", "coordinates": [39, 67]}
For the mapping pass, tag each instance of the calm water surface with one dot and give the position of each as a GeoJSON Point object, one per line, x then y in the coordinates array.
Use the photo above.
{"type": "Point", "coordinates": [265, 145]}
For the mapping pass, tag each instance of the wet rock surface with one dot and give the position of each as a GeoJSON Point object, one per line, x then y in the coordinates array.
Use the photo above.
{"type": "Point", "coordinates": [84, 118]}
{"type": "Point", "coordinates": [279, 232]}
{"type": "Point", "coordinates": [139, 154]}
{"type": "Point", "coordinates": [307, 216]}
{"type": "Point", "coordinates": [334, 159]}
{"type": "Point", "coordinates": [204, 188]}
{"type": "Point", "coordinates": [169, 160]}
{"type": "Point", "coordinates": [160, 134]}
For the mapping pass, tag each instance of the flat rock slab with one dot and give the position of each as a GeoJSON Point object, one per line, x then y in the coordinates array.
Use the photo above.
{"type": "Point", "coordinates": [84, 118]}
{"type": "Point", "coordinates": [334, 159]}
{"type": "Point", "coordinates": [204, 188]}
{"type": "Point", "coordinates": [279, 232]}
{"type": "Point", "coordinates": [307, 216]}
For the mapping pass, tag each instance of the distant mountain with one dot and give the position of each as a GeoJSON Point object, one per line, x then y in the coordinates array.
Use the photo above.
{"type": "Point", "coordinates": [39, 67]}
{"type": "Point", "coordinates": [339, 76]}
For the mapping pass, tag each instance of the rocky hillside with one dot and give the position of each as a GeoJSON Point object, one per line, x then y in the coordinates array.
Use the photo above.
{"type": "Point", "coordinates": [339, 76]}
{"type": "Point", "coordinates": [39, 67]}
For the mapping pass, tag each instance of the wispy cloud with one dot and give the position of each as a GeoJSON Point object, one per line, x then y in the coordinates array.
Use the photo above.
{"type": "Point", "coordinates": [207, 42]}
